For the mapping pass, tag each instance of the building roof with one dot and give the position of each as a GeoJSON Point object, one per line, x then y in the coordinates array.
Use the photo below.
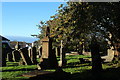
{"type": "Point", "coordinates": [4, 39]}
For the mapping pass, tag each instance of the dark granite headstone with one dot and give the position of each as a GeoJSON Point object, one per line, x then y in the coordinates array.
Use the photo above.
{"type": "Point", "coordinates": [34, 55]}
{"type": "Point", "coordinates": [96, 59]}
{"type": "Point", "coordinates": [25, 57]}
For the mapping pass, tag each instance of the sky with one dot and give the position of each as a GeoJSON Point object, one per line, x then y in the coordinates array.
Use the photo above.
{"type": "Point", "coordinates": [21, 18]}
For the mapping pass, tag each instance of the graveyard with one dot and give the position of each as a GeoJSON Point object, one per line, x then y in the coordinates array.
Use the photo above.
{"type": "Point", "coordinates": [76, 44]}
{"type": "Point", "coordinates": [47, 63]}
{"type": "Point", "coordinates": [77, 71]}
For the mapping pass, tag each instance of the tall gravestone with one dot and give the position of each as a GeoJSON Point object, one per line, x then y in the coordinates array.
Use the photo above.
{"type": "Point", "coordinates": [96, 59]}
{"type": "Point", "coordinates": [48, 58]}
{"type": "Point", "coordinates": [62, 61]}
{"type": "Point", "coordinates": [34, 55]}
{"type": "Point", "coordinates": [25, 57]}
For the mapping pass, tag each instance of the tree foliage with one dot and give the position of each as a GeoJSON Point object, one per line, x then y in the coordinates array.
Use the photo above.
{"type": "Point", "coordinates": [77, 22]}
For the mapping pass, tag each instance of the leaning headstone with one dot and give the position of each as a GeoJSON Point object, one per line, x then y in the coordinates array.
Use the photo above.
{"type": "Point", "coordinates": [25, 57]}
{"type": "Point", "coordinates": [16, 55]}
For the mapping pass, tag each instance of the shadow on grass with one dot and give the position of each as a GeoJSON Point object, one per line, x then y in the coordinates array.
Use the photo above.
{"type": "Point", "coordinates": [18, 70]}
{"type": "Point", "coordinates": [108, 74]}
{"type": "Point", "coordinates": [73, 65]}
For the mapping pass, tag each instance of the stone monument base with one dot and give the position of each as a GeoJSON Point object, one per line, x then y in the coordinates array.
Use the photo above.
{"type": "Point", "coordinates": [47, 64]}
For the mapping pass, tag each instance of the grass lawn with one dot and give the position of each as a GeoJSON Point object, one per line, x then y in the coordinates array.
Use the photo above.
{"type": "Point", "coordinates": [79, 71]}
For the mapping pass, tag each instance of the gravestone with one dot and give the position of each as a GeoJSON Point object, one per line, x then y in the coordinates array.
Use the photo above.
{"type": "Point", "coordinates": [34, 55]}
{"type": "Point", "coordinates": [48, 58]}
{"type": "Point", "coordinates": [16, 55]}
{"type": "Point", "coordinates": [110, 55]}
{"type": "Point", "coordinates": [3, 57]}
{"type": "Point", "coordinates": [40, 51]}
{"type": "Point", "coordinates": [29, 51]}
{"type": "Point", "coordinates": [96, 59]}
{"type": "Point", "coordinates": [25, 57]}
{"type": "Point", "coordinates": [10, 57]}
{"type": "Point", "coordinates": [62, 61]}
{"type": "Point", "coordinates": [57, 49]}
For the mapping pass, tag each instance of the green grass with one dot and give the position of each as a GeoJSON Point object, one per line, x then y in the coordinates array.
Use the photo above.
{"type": "Point", "coordinates": [13, 71]}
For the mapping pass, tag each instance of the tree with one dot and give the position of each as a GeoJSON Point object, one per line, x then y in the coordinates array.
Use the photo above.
{"type": "Point", "coordinates": [78, 22]}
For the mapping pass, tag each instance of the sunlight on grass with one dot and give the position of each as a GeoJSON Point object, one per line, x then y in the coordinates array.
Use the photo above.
{"type": "Point", "coordinates": [73, 66]}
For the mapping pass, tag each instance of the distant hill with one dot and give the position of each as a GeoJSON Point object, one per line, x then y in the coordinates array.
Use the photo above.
{"type": "Point", "coordinates": [21, 38]}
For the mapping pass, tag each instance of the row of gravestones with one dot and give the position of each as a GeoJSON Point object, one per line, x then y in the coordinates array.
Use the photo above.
{"type": "Point", "coordinates": [25, 55]}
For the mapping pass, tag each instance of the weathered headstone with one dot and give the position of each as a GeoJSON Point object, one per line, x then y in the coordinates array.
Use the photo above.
{"type": "Point", "coordinates": [62, 61]}
{"type": "Point", "coordinates": [29, 51]}
{"type": "Point", "coordinates": [48, 58]}
{"type": "Point", "coordinates": [16, 55]}
{"type": "Point", "coordinates": [25, 57]}
{"type": "Point", "coordinates": [110, 56]}
{"type": "Point", "coordinates": [10, 57]}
